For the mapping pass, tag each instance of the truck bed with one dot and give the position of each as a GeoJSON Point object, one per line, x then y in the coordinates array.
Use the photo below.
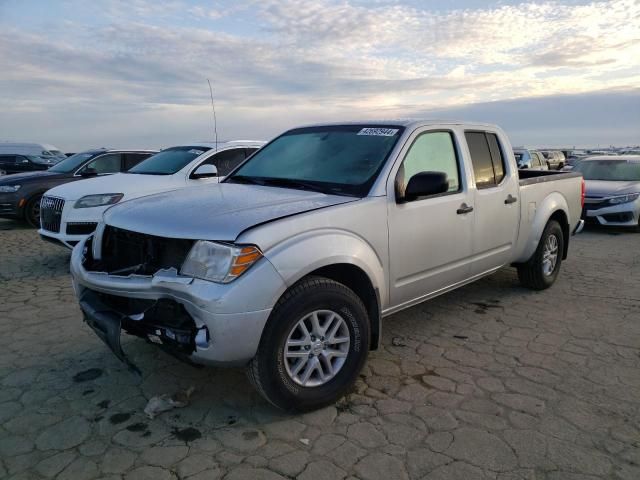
{"type": "Point", "coordinates": [542, 192]}
{"type": "Point", "coordinates": [529, 177]}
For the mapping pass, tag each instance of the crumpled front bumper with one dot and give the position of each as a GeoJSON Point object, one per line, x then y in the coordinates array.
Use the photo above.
{"type": "Point", "coordinates": [233, 314]}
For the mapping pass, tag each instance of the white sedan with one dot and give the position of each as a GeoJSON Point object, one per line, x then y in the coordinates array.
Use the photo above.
{"type": "Point", "coordinates": [71, 212]}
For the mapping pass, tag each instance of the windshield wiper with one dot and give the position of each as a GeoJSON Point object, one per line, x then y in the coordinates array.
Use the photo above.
{"type": "Point", "coordinates": [291, 183]}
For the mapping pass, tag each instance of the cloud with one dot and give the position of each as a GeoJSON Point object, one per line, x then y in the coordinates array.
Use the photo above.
{"type": "Point", "coordinates": [286, 60]}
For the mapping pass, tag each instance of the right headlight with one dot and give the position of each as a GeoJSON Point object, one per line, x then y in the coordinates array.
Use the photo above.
{"type": "Point", "coordinates": [219, 262]}
{"type": "Point", "coordinates": [99, 200]}
{"type": "Point", "coordinates": [9, 188]}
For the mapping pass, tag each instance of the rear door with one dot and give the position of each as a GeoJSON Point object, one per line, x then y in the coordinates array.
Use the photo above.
{"type": "Point", "coordinates": [497, 213]}
{"type": "Point", "coordinates": [430, 237]}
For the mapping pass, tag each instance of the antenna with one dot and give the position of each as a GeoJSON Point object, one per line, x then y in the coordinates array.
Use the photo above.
{"type": "Point", "coordinates": [215, 122]}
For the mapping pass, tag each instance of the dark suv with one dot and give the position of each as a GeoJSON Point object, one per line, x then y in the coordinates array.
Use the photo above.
{"type": "Point", "coordinates": [17, 163]}
{"type": "Point", "coordinates": [20, 193]}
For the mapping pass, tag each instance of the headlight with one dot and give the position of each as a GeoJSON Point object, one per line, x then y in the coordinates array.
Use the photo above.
{"type": "Point", "coordinates": [98, 200]}
{"type": "Point", "coordinates": [9, 188]}
{"type": "Point", "coordinates": [218, 262]}
{"type": "Point", "coordinates": [624, 198]}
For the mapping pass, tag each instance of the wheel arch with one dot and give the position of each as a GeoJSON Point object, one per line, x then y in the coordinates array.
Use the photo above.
{"type": "Point", "coordinates": [339, 256]}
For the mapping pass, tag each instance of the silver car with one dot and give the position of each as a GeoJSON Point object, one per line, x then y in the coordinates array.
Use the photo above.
{"type": "Point", "coordinates": [612, 190]}
{"type": "Point", "coordinates": [530, 159]}
{"type": "Point", "coordinates": [289, 265]}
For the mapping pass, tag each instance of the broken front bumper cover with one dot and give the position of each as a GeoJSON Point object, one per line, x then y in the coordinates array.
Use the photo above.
{"type": "Point", "coordinates": [144, 319]}
{"type": "Point", "coordinates": [106, 324]}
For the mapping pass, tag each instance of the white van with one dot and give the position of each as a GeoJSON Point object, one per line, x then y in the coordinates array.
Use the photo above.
{"type": "Point", "coordinates": [43, 150]}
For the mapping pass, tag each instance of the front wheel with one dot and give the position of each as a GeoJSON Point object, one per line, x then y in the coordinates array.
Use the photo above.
{"type": "Point", "coordinates": [32, 211]}
{"type": "Point", "coordinates": [313, 346]}
{"type": "Point", "coordinates": [541, 271]}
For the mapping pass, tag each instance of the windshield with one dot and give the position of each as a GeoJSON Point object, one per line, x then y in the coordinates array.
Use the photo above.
{"type": "Point", "coordinates": [69, 164]}
{"type": "Point", "coordinates": [612, 170]}
{"type": "Point", "coordinates": [42, 160]}
{"type": "Point", "coordinates": [343, 159]}
{"type": "Point", "coordinates": [169, 161]}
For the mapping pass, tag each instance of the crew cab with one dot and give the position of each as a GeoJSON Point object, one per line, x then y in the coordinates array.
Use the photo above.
{"type": "Point", "coordinates": [69, 213]}
{"type": "Point", "coordinates": [20, 193]}
{"type": "Point", "coordinates": [289, 265]}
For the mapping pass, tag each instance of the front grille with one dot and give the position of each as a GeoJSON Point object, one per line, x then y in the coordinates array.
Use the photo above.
{"type": "Point", "coordinates": [50, 213]}
{"type": "Point", "coordinates": [125, 252]}
{"type": "Point", "coordinates": [622, 217]}
{"type": "Point", "coordinates": [81, 228]}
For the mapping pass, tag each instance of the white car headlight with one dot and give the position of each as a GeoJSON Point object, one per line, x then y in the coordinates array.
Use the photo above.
{"type": "Point", "coordinates": [9, 188]}
{"type": "Point", "coordinates": [624, 198]}
{"type": "Point", "coordinates": [98, 200]}
{"type": "Point", "coordinates": [218, 262]}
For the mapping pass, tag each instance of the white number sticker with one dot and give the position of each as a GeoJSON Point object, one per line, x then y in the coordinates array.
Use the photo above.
{"type": "Point", "coordinates": [196, 152]}
{"type": "Point", "coordinates": [378, 132]}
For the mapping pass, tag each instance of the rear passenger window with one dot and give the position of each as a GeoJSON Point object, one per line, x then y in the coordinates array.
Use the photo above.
{"type": "Point", "coordinates": [430, 152]}
{"type": "Point", "coordinates": [486, 157]}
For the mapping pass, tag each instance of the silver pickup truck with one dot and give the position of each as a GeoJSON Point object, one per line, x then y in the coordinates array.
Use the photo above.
{"type": "Point", "coordinates": [289, 265]}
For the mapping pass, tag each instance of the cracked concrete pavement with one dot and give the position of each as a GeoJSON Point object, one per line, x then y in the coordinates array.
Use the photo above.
{"type": "Point", "coordinates": [490, 381]}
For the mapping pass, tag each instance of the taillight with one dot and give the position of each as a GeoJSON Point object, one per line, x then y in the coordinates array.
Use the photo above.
{"type": "Point", "coordinates": [583, 189]}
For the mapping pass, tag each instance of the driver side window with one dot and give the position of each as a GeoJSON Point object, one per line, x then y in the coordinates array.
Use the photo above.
{"type": "Point", "coordinates": [430, 152]}
{"type": "Point", "coordinates": [109, 163]}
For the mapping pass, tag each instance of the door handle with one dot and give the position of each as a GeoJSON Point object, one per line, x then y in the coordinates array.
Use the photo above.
{"type": "Point", "coordinates": [464, 208]}
{"type": "Point", "coordinates": [510, 199]}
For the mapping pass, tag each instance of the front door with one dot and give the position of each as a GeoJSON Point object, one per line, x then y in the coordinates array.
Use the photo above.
{"type": "Point", "coordinates": [430, 237]}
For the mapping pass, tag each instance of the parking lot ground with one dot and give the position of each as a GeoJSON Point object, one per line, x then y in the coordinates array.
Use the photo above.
{"type": "Point", "coordinates": [490, 381]}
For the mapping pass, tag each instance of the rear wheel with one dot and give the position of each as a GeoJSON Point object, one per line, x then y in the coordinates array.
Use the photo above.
{"type": "Point", "coordinates": [313, 346]}
{"type": "Point", "coordinates": [32, 211]}
{"type": "Point", "coordinates": [541, 271]}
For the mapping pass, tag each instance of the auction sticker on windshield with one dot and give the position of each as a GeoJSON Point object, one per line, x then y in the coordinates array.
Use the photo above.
{"type": "Point", "coordinates": [379, 132]}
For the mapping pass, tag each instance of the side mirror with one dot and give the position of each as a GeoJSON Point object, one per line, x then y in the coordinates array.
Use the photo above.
{"type": "Point", "coordinates": [424, 184]}
{"type": "Point", "coordinates": [205, 171]}
{"type": "Point", "coordinates": [89, 172]}
{"type": "Point", "coordinates": [523, 166]}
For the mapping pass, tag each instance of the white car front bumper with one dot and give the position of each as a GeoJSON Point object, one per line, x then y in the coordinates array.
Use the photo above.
{"type": "Point", "coordinates": [620, 215]}
{"type": "Point", "coordinates": [62, 223]}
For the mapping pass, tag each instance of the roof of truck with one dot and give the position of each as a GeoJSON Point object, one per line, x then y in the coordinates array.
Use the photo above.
{"type": "Point", "coordinates": [405, 122]}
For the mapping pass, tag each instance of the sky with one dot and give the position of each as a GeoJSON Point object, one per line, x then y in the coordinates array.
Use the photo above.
{"type": "Point", "coordinates": [133, 73]}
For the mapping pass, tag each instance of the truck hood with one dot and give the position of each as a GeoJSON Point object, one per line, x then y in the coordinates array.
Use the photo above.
{"type": "Point", "coordinates": [20, 178]}
{"type": "Point", "coordinates": [215, 211]}
{"type": "Point", "coordinates": [605, 188]}
{"type": "Point", "coordinates": [132, 185]}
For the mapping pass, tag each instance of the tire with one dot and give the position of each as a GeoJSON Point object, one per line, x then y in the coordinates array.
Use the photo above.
{"type": "Point", "coordinates": [32, 211]}
{"type": "Point", "coordinates": [272, 374]}
{"type": "Point", "coordinates": [535, 273]}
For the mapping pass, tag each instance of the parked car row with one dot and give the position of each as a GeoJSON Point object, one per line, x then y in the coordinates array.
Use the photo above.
{"type": "Point", "coordinates": [285, 257]}
{"type": "Point", "coordinates": [21, 193]}
{"type": "Point", "coordinates": [69, 213]}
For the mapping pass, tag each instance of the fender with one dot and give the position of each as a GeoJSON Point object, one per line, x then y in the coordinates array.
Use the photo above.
{"type": "Point", "coordinates": [302, 254]}
{"type": "Point", "coordinates": [553, 203]}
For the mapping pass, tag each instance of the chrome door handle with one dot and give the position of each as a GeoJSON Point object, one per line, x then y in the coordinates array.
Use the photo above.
{"type": "Point", "coordinates": [464, 208]}
{"type": "Point", "coordinates": [510, 199]}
